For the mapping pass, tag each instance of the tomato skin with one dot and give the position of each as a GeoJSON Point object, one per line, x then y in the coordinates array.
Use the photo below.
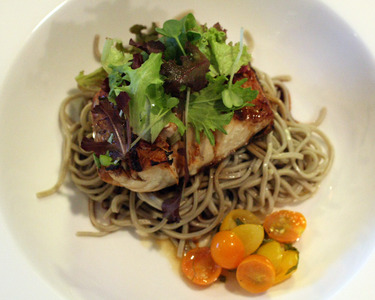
{"type": "Point", "coordinates": [227, 249]}
{"type": "Point", "coordinates": [285, 226]}
{"type": "Point", "coordinates": [256, 274]}
{"type": "Point", "coordinates": [241, 216]}
{"type": "Point", "coordinates": [199, 267]}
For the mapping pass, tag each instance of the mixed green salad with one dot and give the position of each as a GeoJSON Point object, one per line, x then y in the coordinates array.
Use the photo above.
{"type": "Point", "coordinates": [182, 72]}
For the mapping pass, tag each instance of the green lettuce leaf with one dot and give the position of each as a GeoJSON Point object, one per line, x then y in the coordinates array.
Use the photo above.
{"type": "Point", "coordinates": [139, 106]}
{"type": "Point", "coordinates": [224, 55]}
{"type": "Point", "coordinates": [149, 107]}
{"type": "Point", "coordinates": [221, 55]}
{"type": "Point", "coordinates": [161, 114]}
{"type": "Point", "coordinates": [91, 81]}
{"type": "Point", "coordinates": [114, 54]}
{"type": "Point", "coordinates": [117, 81]}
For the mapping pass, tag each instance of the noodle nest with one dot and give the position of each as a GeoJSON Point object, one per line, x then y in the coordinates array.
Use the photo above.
{"type": "Point", "coordinates": [283, 167]}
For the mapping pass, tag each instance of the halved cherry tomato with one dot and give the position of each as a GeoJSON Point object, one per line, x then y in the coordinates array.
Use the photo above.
{"type": "Point", "coordinates": [251, 235]}
{"type": "Point", "coordinates": [274, 251]}
{"type": "Point", "coordinates": [256, 273]}
{"type": "Point", "coordinates": [198, 266]}
{"type": "Point", "coordinates": [288, 265]}
{"type": "Point", "coordinates": [227, 249]}
{"type": "Point", "coordinates": [237, 217]}
{"type": "Point", "coordinates": [285, 226]}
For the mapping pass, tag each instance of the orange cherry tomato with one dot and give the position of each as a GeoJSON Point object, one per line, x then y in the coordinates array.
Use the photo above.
{"type": "Point", "coordinates": [199, 267]}
{"type": "Point", "coordinates": [227, 249]}
{"type": "Point", "coordinates": [256, 274]}
{"type": "Point", "coordinates": [285, 226]}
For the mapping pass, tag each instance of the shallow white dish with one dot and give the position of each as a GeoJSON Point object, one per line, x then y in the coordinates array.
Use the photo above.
{"type": "Point", "coordinates": [329, 66]}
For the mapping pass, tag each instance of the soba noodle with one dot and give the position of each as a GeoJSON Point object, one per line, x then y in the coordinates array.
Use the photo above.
{"type": "Point", "coordinates": [286, 166]}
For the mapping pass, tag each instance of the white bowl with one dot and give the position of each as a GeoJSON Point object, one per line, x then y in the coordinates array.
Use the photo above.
{"type": "Point", "coordinates": [330, 67]}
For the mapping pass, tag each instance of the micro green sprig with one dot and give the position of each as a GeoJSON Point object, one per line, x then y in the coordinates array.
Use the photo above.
{"type": "Point", "coordinates": [173, 29]}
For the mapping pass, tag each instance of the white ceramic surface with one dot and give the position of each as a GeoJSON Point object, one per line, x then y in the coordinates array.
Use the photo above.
{"type": "Point", "coordinates": [330, 67]}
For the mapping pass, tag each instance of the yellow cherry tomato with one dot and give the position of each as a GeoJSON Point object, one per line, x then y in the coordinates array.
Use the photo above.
{"type": "Point", "coordinates": [288, 265]}
{"type": "Point", "coordinates": [251, 235]}
{"type": "Point", "coordinates": [237, 217]}
{"type": "Point", "coordinates": [227, 249]}
{"type": "Point", "coordinates": [274, 251]}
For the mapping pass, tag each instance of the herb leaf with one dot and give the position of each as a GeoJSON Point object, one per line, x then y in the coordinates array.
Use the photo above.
{"type": "Point", "coordinates": [106, 160]}
{"type": "Point", "coordinates": [236, 97]}
{"type": "Point", "coordinates": [207, 113]}
{"type": "Point", "coordinates": [191, 31]}
{"type": "Point", "coordinates": [172, 28]}
{"type": "Point", "coordinates": [209, 109]}
{"type": "Point", "coordinates": [239, 222]}
{"type": "Point", "coordinates": [230, 98]}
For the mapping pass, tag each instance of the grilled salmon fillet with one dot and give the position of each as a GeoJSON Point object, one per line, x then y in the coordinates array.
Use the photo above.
{"type": "Point", "coordinates": [151, 167]}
